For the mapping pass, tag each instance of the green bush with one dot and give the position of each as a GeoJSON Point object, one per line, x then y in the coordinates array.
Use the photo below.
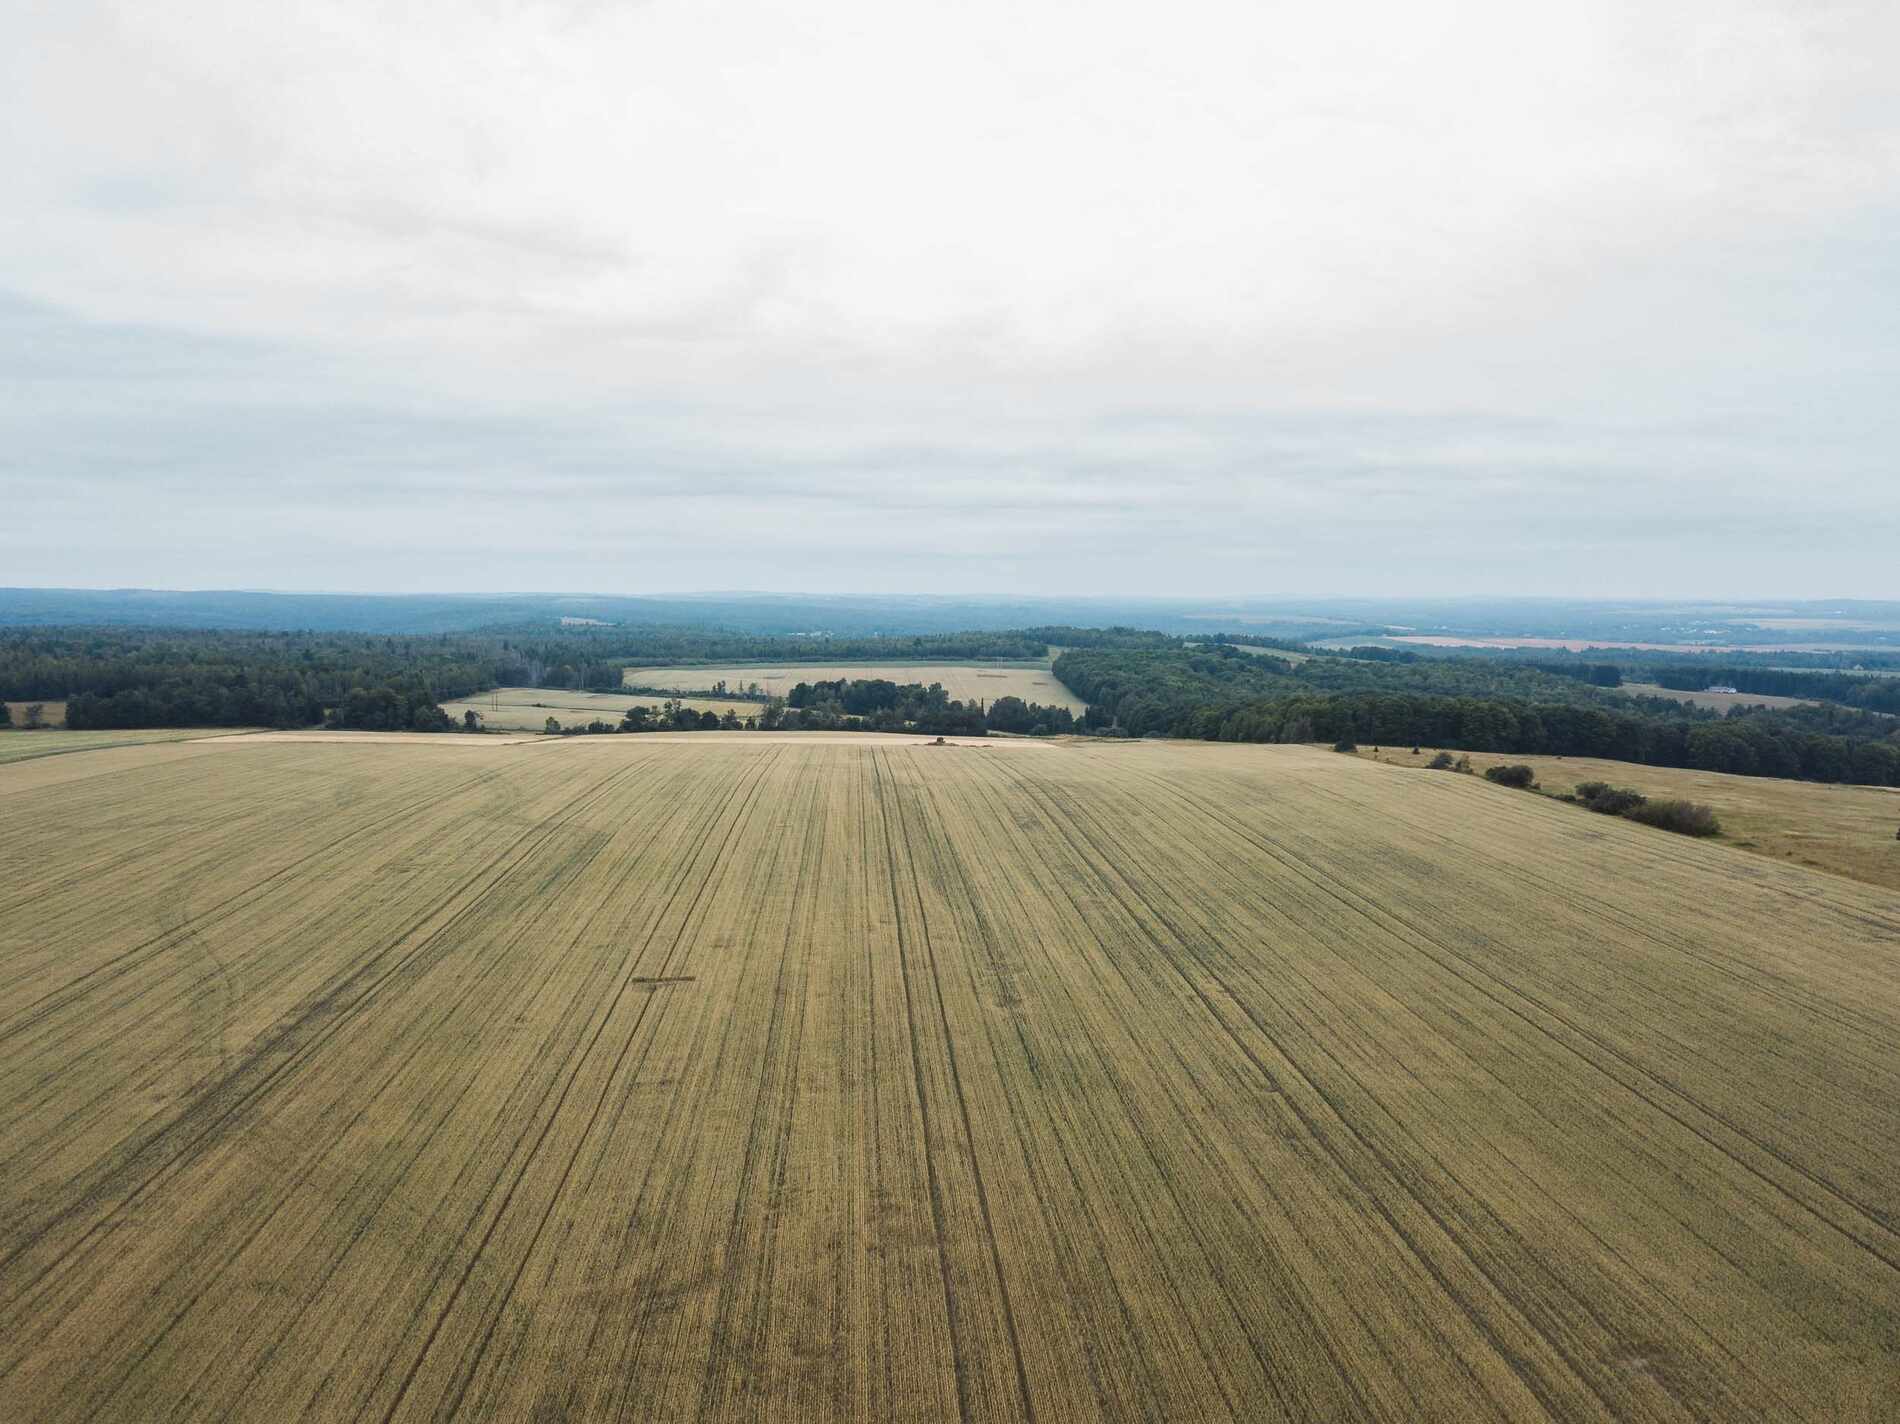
{"type": "Point", "coordinates": [1345, 744]}
{"type": "Point", "coordinates": [1441, 762]}
{"type": "Point", "coordinates": [1607, 799]}
{"type": "Point", "coordinates": [1687, 818]}
{"type": "Point", "coordinates": [1516, 774]}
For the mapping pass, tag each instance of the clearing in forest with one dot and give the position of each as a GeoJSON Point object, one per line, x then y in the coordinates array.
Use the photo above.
{"type": "Point", "coordinates": [1720, 701]}
{"type": "Point", "coordinates": [527, 709]}
{"type": "Point", "coordinates": [52, 714]}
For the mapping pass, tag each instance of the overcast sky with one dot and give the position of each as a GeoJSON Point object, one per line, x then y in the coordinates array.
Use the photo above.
{"type": "Point", "coordinates": [1195, 298]}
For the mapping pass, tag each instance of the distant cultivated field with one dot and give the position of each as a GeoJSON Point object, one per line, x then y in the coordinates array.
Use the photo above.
{"type": "Point", "coordinates": [52, 713]}
{"type": "Point", "coordinates": [1845, 830]}
{"type": "Point", "coordinates": [1855, 625]}
{"type": "Point", "coordinates": [528, 708]}
{"type": "Point", "coordinates": [1720, 701]}
{"type": "Point", "coordinates": [966, 682]}
{"type": "Point", "coordinates": [733, 1078]}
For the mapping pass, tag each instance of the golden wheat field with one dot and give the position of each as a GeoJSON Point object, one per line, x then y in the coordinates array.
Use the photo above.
{"type": "Point", "coordinates": [965, 682]}
{"type": "Point", "coordinates": [52, 714]}
{"type": "Point", "coordinates": [1845, 830]}
{"type": "Point", "coordinates": [729, 1078]}
{"type": "Point", "coordinates": [22, 745]}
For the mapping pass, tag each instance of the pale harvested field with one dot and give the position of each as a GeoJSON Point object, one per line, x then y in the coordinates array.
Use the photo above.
{"type": "Point", "coordinates": [1720, 701]}
{"type": "Point", "coordinates": [527, 709]}
{"type": "Point", "coordinates": [21, 745]}
{"type": "Point", "coordinates": [1845, 830]}
{"type": "Point", "coordinates": [965, 682]}
{"type": "Point", "coordinates": [734, 1079]}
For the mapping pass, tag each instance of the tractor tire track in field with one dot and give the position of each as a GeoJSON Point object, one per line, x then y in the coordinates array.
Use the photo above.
{"type": "Point", "coordinates": [189, 1147]}
{"type": "Point", "coordinates": [963, 1112]}
{"type": "Point", "coordinates": [1550, 1394]}
{"type": "Point", "coordinates": [320, 1018]}
{"type": "Point", "coordinates": [1071, 827]}
{"type": "Point", "coordinates": [369, 1100]}
{"type": "Point", "coordinates": [580, 1059]}
{"type": "Point", "coordinates": [37, 1009]}
{"type": "Point", "coordinates": [955, 870]}
{"type": "Point", "coordinates": [1323, 885]}
{"type": "Point", "coordinates": [1184, 1113]}
{"type": "Point", "coordinates": [886, 812]}
{"type": "Point", "coordinates": [1398, 1173]}
{"type": "Point", "coordinates": [654, 1299]}
{"type": "Point", "coordinates": [1473, 973]}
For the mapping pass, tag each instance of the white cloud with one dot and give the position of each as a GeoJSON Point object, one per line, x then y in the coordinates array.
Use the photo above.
{"type": "Point", "coordinates": [1068, 281]}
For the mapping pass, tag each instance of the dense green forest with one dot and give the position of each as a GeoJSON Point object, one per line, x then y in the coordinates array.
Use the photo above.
{"type": "Point", "coordinates": [1135, 682]}
{"type": "Point", "coordinates": [882, 705]}
{"type": "Point", "coordinates": [1640, 664]}
{"type": "Point", "coordinates": [1220, 694]}
{"type": "Point", "coordinates": [1122, 681]}
{"type": "Point", "coordinates": [683, 647]}
{"type": "Point", "coordinates": [139, 677]}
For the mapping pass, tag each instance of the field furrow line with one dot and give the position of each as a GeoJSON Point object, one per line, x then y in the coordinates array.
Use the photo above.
{"type": "Point", "coordinates": [501, 1210]}
{"type": "Point", "coordinates": [1070, 822]}
{"type": "Point", "coordinates": [963, 1108]}
{"type": "Point", "coordinates": [887, 811]}
{"type": "Point", "coordinates": [1128, 1369]}
{"type": "Point", "coordinates": [290, 1046]}
{"type": "Point", "coordinates": [1495, 989]}
{"type": "Point", "coordinates": [219, 911]}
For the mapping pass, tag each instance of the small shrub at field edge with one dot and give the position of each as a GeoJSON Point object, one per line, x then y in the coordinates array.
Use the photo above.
{"type": "Point", "coordinates": [1609, 800]}
{"type": "Point", "coordinates": [1345, 744]}
{"type": "Point", "coordinates": [1441, 762]}
{"type": "Point", "coordinates": [1687, 818]}
{"type": "Point", "coordinates": [1516, 774]}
